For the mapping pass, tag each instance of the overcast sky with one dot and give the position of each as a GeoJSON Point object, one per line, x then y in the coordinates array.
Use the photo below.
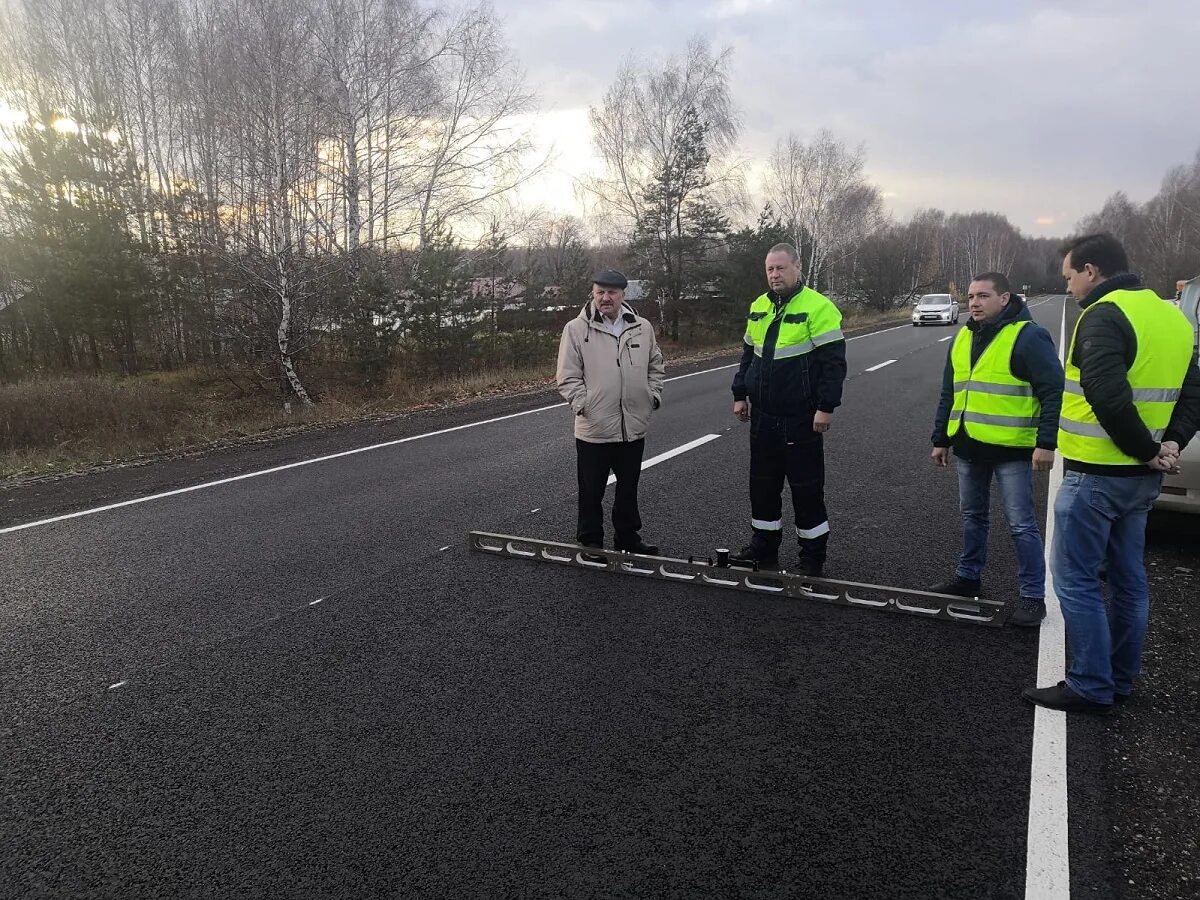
{"type": "Point", "coordinates": [1038, 110]}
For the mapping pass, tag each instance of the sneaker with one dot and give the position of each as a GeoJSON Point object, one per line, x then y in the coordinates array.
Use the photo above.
{"type": "Point", "coordinates": [1062, 697]}
{"type": "Point", "coordinates": [959, 587]}
{"type": "Point", "coordinates": [637, 545]}
{"type": "Point", "coordinates": [1029, 613]}
{"type": "Point", "coordinates": [756, 553]}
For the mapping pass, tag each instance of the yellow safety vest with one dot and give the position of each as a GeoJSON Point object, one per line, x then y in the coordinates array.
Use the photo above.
{"type": "Point", "coordinates": [1164, 352]}
{"type": "Point", "coordinates": [809, 320]}
{"type": "Point", "coordinates": [998, 407]}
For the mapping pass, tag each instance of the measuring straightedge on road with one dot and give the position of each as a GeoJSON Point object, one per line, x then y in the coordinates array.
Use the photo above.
{"type": "Point", "coordinates": [725, 573]}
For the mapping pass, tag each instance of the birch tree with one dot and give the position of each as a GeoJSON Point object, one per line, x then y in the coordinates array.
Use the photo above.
{"type": "Point", "coordinates": [824, 198]}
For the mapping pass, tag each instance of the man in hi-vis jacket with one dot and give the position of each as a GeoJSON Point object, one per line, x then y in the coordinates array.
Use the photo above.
{"type": "Point", "coordinates": [787, 387]}
{"type": "Point", "coordinates": [610, 370]}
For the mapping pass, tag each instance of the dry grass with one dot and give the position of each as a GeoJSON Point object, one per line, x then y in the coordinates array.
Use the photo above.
{"type": "Point", "coordinates": [58, 424]}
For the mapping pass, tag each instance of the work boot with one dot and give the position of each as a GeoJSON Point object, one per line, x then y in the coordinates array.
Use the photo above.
{"type": "Point", "coordinates": [758, 551]}
{"type": "Point", "coordinates": [593, 557]}
{"type": "Point", "coordinates": [959, 587]}
{"type": "Point", "coordinates": [812, 555]}
{"type": "Point", "coordinates": [1029, 613]}
{"type": "Point", "coordinates": [810, 567]}
{"type": "Point", "coordinates": [636, 545]}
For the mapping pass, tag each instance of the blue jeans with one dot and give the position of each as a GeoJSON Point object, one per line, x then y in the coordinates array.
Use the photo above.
{"type": "Point", "coordinates": [1099, 522]}
{"type": "Point", "coordinates": [1015, 479]}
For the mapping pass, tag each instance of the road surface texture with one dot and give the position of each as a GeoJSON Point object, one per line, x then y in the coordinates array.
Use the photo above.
{"type": "Point", "coordinates": [303, 684]}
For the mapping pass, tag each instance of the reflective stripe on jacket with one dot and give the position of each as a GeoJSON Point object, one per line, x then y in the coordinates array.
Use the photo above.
{"type": "Point", "coordinates": [809, 320]}
{"type": "Point", "coordinates": [1164, 353]}
{"type": "Point", "coordinates": [995, 406]}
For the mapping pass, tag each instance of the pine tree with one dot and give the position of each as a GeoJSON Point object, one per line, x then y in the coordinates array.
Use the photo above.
{"type": "Point", "coordinates": [680, 226]}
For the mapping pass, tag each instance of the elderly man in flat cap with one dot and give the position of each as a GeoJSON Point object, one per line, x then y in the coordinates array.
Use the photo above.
{"type": "Point", "coordinates": [611, 372]}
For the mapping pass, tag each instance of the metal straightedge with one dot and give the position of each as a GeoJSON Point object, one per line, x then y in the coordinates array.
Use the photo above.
{"type": "Point", "coordinates": [702, 571]}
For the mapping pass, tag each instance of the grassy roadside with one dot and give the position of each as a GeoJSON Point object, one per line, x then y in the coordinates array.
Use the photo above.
{"type": "Point", "coordinates": [63, 424]}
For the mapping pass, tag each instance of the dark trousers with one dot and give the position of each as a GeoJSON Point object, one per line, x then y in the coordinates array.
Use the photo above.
{"type": "Point", "coordinates": [594, 462]}
{"type": "Point", "coordinates": [787, 448]}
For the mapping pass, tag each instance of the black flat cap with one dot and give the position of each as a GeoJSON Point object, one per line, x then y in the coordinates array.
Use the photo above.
{"type": "Point", "coordinates": [610, 278]}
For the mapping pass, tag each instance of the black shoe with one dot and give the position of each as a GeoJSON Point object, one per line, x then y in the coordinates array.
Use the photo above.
{"type": "Point", "coordinates": [1029, 613]}
{"type": "Point", "coordinates": [637, 545]}
{"type": "Point", "coordinates": [959, 587]}
{"type": "Point", "coordinates": [756, 553]}
{"type": "Point", "coordinates": [593, 557]}
{"type": "Point", "coordinates": [811, 567]}
{"type": "Point", "coordinates": [1062, 697]}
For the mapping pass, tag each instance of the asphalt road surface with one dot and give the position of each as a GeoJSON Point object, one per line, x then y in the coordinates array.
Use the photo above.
{"type": "Point", "coordinates": [303, 684]}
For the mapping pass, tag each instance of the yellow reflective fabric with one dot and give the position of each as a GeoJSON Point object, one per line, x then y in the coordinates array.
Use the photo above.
{"type": "Point", "coordinates": [809, 320]}
{"type": "Point", "coordinates": [996, 407]}
{"type": "Point", "coordinates": [1164, 350]}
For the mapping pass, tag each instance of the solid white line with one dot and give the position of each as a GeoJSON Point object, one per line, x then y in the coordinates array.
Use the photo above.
{"type": "Point", "coordinates": [308, 462]}
{"type": "Point", "coordinates": [859, 337]}
{"type": "Point", "coordinates": [272, 470]}
{"type": "Point", "coordinates": [663, 457]}
{"type": "Point", "coordinates": [880, 366]}
{"type": "Point", "coordinates": [1047, 848]}
{"type": "Point", "coordinates": [948, 337]}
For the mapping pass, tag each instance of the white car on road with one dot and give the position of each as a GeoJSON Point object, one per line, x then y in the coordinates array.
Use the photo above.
{"type": "Point", "coordinates": [935, 309]}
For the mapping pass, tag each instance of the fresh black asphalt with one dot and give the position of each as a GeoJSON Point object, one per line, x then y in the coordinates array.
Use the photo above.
{"type": "Point", "coordinates": [317, 700]}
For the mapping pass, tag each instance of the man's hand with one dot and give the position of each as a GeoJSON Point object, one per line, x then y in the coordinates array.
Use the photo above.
{"type": "Point", "coordinates": [822, 421]}
{"type": "Point", "coordinates": [940, 456]}
{"type": "Point", "coordinates": [1043, 460]}
{"type": "Point", "coordinates": [741, 409]}
{"type": "Point", "coordinates": [1167, 460]}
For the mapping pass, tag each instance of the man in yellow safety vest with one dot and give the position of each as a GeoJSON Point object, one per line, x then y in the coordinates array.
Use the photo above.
{"type": "Point", "coordinates": [1131, 403]}
{"type": "Point", "coordinates": [1001, 392]}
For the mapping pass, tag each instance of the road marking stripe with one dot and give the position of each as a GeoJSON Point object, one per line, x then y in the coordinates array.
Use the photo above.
{"type": "Point", "coordinates": [948, 337]}
{"type": "Point", "coordinates": [880, 366]}
{"type": "Point", "coordinates": [663, 457]}
{"type": "Point", "coordinates": [1047, 848]}
{"type": "Point", "coordinates": [319, 459]}
{"type": "Point", "coordinates": [113, 687]}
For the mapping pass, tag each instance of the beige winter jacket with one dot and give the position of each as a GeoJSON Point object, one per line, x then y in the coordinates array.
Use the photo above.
{"type": "Point", "coordinates": [612, 384]}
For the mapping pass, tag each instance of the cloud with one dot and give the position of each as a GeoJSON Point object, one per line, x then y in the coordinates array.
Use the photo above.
{"type": "Point", "coordinates": [1022, 108]}
{"type": "Point", "coordinates": [731, 9]}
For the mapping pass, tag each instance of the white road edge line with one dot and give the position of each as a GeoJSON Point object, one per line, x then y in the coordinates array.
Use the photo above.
{"type": "Point", "coordinates": [1047, 848]}
{"type": "Point", "coordinates": [308, 462]}
{"type": "Point", "coordinates": [663, 457]}
{"type": "Point", "coordinates": [880, 366]}
{"type": "Point", "coordinates": [948, 337]}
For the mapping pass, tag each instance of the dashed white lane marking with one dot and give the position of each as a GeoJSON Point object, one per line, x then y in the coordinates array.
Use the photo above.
{"type": "Point", "coordinates": [113, 687]}
{"type": "Point", "coordinates": [539, 509]}
{"type": "Point", "coordinates": [948, 337]}
{"type": "Point", "coordinates": [879, 366]}
{"type": "Point", "coordinates": [663, 457]}
{"type": "Point", "coordinates": [1047, 854]}
{"type": "Point", "coordinates": [443, 549]}
{"type": "Point", "coordinates": [315, 602]}
{"type": "Point", "coordinates": [344, 453]}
